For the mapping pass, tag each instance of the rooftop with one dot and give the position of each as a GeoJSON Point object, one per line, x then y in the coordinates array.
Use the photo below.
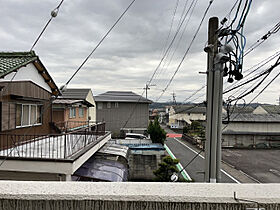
{"type": "Point", "coordinates": [121, 96]}
{"type": "Point", "coordinates": [189, 108]}
{"type": "Point", "coordinates": [10, 61]}
{"type": "Point", "coordinates": [75, 93]}
{"type": "Point", "coordinates": [249, 117]}
{"type": "Point", "coordinates": [271, 109]}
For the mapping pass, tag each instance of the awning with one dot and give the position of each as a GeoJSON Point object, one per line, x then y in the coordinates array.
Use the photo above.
{"type": "Point", "coordinates": [103, 170]}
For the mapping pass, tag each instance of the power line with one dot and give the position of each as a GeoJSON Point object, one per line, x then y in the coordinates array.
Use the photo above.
{"type": "Point", "coordinates": [99, 43]}
{"type": "Point", "coordinates": [187, 51]}
{"type": "Point", "coordinates": [168, 48]}
{"type": "Point", "coordinates": [274, 30]}
{"type": "Point", "coordinates": [163, 69]}
{"type": "Point", "coordinates": [53, 15]}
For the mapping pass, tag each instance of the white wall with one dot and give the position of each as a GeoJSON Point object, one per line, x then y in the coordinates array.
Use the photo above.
{"type": "Point", "coordinates": [92, 110]}
{"type": "Point", "coordinates": [28, 73]}
{"type": "Point", "coordinates": [253, 127]}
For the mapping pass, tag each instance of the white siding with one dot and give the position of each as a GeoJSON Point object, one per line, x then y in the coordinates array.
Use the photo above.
{"type": "Point", "coordinates": [28, 73]}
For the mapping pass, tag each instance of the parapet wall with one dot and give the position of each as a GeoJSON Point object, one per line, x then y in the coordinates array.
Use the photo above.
{"type": "Point", "coordinates": [129, 195]}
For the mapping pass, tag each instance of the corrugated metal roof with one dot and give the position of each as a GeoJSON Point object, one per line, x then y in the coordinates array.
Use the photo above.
{"type": "Point", "coordinates": [114, 149]}
{"type": "Point", "coordinates": [76, 93]}
{"type": "Point", "coordinates": [121, 96]}
{"type": "Point", "coordinates": [241, 117]}
{"type": "Point", "coordinates": [66, 101]}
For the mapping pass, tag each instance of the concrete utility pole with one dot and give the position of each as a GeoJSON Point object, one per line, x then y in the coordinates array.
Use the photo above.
{"type": "Point", "coordinates": [214, 106]}
{"type": "Point", "coordinates": [146, 88]}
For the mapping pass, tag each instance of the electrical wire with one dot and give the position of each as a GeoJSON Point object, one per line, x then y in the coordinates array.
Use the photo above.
{"type": "Point", "coordinates": [187, 51]}
{"type": "Point", "coordinates": [168, 48]}
{"type": "Point", "coordinates": [272, 31]}
{"type": "Point", "coordinates": [53, 15]}
{"type": "Point", "coordinates": [164, 68]}
{"type": "Point", "coordinates": [99, 43]}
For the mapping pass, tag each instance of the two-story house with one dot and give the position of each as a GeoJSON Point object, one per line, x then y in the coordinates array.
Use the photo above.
{"type": "Point", "coordinates": [28, 148]}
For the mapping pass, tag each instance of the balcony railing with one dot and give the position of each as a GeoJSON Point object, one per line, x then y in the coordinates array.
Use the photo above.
{"type": "Point", "coordinates": [52, 146]}
{"type": "Point", "coordinates": [68, 126]}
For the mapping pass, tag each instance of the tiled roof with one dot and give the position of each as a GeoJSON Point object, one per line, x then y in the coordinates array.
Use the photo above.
{"type": "Point", "coordinates": [271, 109]}
{"type": "Point", "coordinates": [10, 61]}
{"type": "Point", "coordinates": [190, 108]}
{"type": "Point", "coordinates": [75, 93]}
{"type": "Point", "coordinates": [241, 117]}
{"type": "Point", "coordinates": [121, 96]}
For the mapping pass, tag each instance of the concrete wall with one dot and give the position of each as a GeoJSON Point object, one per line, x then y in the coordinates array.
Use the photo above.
{"type": "Point", "coordinates": [126, 196]}
{"type": "Point", "coordinates": [25, 176]}
{"type": "Point", "coordinates": [248, 140]}
{"type": "Point", "coordinates": [142, 163]}
{"type": "Point", "coordinates": [116, 117]}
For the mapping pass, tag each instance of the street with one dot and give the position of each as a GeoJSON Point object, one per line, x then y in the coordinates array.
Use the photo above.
{"type": "Point", "coordinates": [196, 168]}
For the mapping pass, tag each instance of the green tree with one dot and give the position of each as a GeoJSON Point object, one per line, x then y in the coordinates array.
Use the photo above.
{"type": "Point", "coordinates": [157, 134]}
{"type": "Point", "coordinates": [166, 169]}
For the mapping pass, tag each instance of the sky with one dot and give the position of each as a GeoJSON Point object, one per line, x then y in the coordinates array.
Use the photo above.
{"type": "Point", "coordinates": [127, 58]}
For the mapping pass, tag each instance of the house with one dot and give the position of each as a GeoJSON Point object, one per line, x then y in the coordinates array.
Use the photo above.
{"type": "Point", "coordinates": [26, 90]}
{"type": "Point", "coordinates": [75, 108]}
{"type": "Point", "coordinates": [28, 148]}
{"type": "Point", "coordinates": [267, 109]}
{"type": "Point", "coordinates": [122, 110]}
{"type": "Point", "coordinates": [182, 115]}
{"type": "Point", "coordinates": [84, 94]}
{"type": "Point", "coordinates": [249, 129]}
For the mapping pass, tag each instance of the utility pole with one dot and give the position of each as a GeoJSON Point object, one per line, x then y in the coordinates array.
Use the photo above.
{"type": "Point", "coordinates": [146, 88]}
{"type": "Point", "coordinates": [174, 98]}
{"type": "Point", "coordinates": [214, 106]}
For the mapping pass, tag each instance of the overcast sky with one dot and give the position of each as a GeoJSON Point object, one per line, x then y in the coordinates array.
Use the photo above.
{"type": "Point", "coordinates": [127, 58]}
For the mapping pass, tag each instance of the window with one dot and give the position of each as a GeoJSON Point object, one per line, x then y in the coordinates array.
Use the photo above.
{"type": "Point", "coordinates": [72, 112]}
{"type": "Point", "coordinates": [109, 105]}
{"type": "Point", "coordinates": [81, 112]}
{"type": "Point", "coordinates": [116, 104]}
{"type": "Point", "coordinates": [99, 105]}
{"type": "Point", "coordinates": [28, 115]}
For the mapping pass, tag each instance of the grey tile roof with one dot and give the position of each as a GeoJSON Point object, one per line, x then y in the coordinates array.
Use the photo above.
{"type": "Point", "coordinates": [121, 96]}
{"type": "Point", "coordinates": [75, 93]}
{"type": "Point", "coordinates": [240, 109]}
{"type": "Point", "coordinates": [10, 61]}
{"type": "Point", "coordinates": [241, 117]}
{"type": "Point", "coordinates": [271, 109]}
{"type": "Point", "coordinates": [189, 108]}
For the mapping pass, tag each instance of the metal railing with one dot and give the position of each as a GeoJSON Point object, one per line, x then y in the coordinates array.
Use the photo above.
{"type": "Point", "coordinates": [52, 146]}
{"type": "Point", "coordinates": [69, 126]}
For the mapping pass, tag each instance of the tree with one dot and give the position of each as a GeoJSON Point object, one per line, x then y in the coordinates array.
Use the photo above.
{"type": "Point", "coordinates": [166, 169]}
{"type": "Point", "coordinates": [157, 134]}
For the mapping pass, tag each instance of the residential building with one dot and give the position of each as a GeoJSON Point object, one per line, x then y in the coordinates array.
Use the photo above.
{"type": "Point", "coordinates": [182, 115]}
{"type": "Point", "coordinates": [84, 94]}
{"type": "Point", "coordinates": [26, 90]}
{"type": "Point", "coordinates": [122, 110]}
{"type": "Point", "coordinates": [74, 108]}
{"type": "Point", "coordinates": [28, 148]}
{"type": "Point", "coordinates": [248, 129]}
